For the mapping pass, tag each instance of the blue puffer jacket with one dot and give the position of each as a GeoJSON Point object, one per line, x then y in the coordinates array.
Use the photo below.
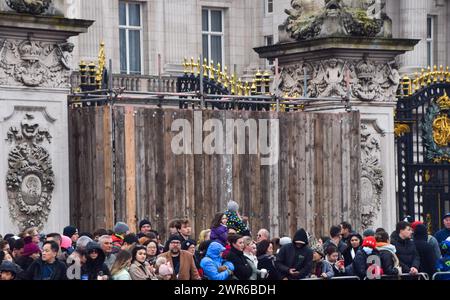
{"type": "Point", "coordinates": [212, 261]}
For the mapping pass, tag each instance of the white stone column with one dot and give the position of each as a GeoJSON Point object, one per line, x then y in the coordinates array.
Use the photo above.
{"type": "Point", "coordinates": [413, 25]}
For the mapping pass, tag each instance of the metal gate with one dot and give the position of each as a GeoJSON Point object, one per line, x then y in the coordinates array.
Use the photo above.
{"type": "Point", "coordinates": [422, 129]}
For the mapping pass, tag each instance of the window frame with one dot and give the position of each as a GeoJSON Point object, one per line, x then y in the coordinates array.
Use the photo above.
{"type": "Point", "coordinates": [210, 33]}
{"type": "Point", "coordinates": [430, 40]}
{"type": "Point", "coordinates": [269, 64]}
{"type": "Point", "coordinates": [127, 29]}
{"type": "Point", "coordinates": [266, 6]}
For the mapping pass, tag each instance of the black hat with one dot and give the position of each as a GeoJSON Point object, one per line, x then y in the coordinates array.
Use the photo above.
{"type": "Point", "coordinates": [175, 237]}
{"type": "Point", "coordinates": [144, 222]}
{"type": "Point", "coordinates": [446, 216]}
{"type": "Point", "coordinates": [186, 244]}
{"type": "Point", "coordinates": [69, 231]}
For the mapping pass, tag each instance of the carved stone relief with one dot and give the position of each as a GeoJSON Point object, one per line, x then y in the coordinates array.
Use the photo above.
{"type": "Point", "coordinates": [34, 7]}
{"type": "Point", "coordinates": [372, 181]}
{"type": "Point", "coordinates": [30, 179]}
{"type": "Point", "coordinates": [34, 63]}
{"type": "Point", "coordinates": [367, 80]}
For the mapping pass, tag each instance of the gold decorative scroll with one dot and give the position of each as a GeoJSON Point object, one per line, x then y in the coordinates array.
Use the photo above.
{"type": "Point", "coordinates": [441, 130]}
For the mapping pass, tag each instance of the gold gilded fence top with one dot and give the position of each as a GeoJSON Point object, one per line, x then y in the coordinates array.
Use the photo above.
{"type": "Point", "coordinates": [260, 84]}
{"type": "Point", "coordinates": [425, 78]}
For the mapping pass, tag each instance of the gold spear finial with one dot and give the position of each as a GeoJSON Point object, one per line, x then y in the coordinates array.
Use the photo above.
{"type": "Point", "coordinates": [101, 65]}
{"type": "Point", "coordinates": [211, 70]}
{"type": "Point", "coordinates": [219, 73]}
{"type": "Point", "coordinates": [205, 68]}
{"type": "Point", "coordinates": [185, 71]}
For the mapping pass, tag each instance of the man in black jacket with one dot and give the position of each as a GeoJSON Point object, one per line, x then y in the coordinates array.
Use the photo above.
{"type": "Point", "coordinates": [428, 259]}
{"type": "Point", "coordinates": [47, 267]}
{"type": "Point", "coordinates": [294, 261]}
{"type": "Point", "coordinates": [406, 249]}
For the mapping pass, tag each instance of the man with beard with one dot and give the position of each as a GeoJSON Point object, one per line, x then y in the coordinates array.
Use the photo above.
{"type": "Point", "coordinates": [182, 261]}
{"type": "Point", "coordinates": [294, 261]}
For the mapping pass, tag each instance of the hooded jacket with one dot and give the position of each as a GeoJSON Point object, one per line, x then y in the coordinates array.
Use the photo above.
{"type": "Point", "coordinates": [407, 254]}
{"type": "Point", "coordinates": [212, 261]}
{"type": "Point", "coordinates": [426, 252]}
{"type": "Point", "coordinates": [360, 264]}
{"type": "Point", "coordinates": [292, 257]}
{"type": "Point", "coordinates": [219, 234]}
{"type": "Point", "coordinates": [389, 260]}
{"type": "Point", "coordinates": [93, 267]}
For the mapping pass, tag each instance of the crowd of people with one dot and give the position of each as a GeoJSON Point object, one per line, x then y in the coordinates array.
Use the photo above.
{"type": "Point", "coordinates": [225, 251]}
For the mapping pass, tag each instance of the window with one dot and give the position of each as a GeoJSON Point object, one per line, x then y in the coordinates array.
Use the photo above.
{"type": "Point", "coordinates": [269, 6]}
{"type": "Point", "coordinates": [212, 35]}
{"type": "Point", "coordinates": [430, 41]}
{"type": "Point", "coordinates": [130, 27]}
{"type": "Point", "coordinates": [268, 40]}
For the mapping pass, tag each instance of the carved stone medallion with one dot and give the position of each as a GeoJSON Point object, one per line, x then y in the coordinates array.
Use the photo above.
{"type": "Point", "coordinates": [30, 179]}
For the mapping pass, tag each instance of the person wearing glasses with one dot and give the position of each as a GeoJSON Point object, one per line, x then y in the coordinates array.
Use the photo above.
{"type": "Point", "coordinates": [263, 235]}
{"type": "Point", "coordinates": [47, 267]}
{"type": "Point", "coordinates": [182, 261]}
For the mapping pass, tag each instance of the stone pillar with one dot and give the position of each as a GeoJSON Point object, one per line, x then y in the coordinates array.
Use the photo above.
{"type": "Point", "coordinates": [349, 57]}
{"type": "Point", "coordinates": [34, 84]}
{"type": "Point", "coordinates": [413, 25]}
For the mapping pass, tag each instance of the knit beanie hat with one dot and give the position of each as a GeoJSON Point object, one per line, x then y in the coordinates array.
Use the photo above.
{"type": "Point", "coordinates": [69, 231]}
{"type": "Point", "coordinates": [233, 206]}
{"type": "Point", "coordinates": [144, 222]}
{"type": "Point", "coordinates": [165, 269]}
{"type": "Point", "coordinates": [30, 247]}
{"type": "Point", "coordinates": [186, 244]}
{"type": "Point", "coordinates": [121, 228]}
{"type": "Point", "coordinates": [370, 242]}
{"type": "Point", "coordinates": [446, 216]}
{"type": "Point", "coordinates": [175, 237]}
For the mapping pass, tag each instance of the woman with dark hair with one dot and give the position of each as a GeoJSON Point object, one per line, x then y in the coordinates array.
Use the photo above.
{"type": "Point", "coordinates": [266, 259]}
{"type": "Point", "coordinates": [152, 251]}
{"type": "Point", "coordinates": [95, 267]}
{"type": "Point", "coordinates": [219, 229]}
{"type": "Point", "coordinates": [242, 268]}
{"type": "Point", "coordinates": [140, 269]}
{"type": "Point", "coordinates": [354, 243]}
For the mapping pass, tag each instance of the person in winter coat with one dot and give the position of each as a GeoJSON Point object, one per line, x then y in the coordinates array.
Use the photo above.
{"type": "Point", "coordinates": [214, 266]}
{"type": "Point", "coordinates": [443, 264]}
{"type": "Point", "coordinates": [31, 252]}
{"type": "Point", "coordinates": [294, 261]}
{"type": "Point", "coordinates": [9, 271]}
{"type": "Point", "coordinates": [152, 252]}
{"type": "Point", "coordinates": [336, 240]}
{"type": "Point", "coordinates": [387, 252]}
{"type": "Point", "coordinates": [95, 267]}
{"type": "Point", "coordinates": [444, 233]}
{"type": "Point", "coordinates": [182, 261]}
{"type": "Point", "coordinates": [47, 267]}
{"type": "Point", "coordinates": [266, 259]}
{"type": "Point", "coordinates": [406, 249]}
{"type": "Point", "coordinates": [235, 220]}
{"type": "Point", "coordinates": [361, 265]}
{"type": "Point", "coordinates": [242, 268]}
{"type": "Point", "coordinates": [250, 255]}
{"type": "Point", "coordinates": [320, 267]}
{"type": "Point", "coordinates": [431, 240]}
{"type": "Point", "coordinates": [120, 230]}
{"type": "Point", "coordinates": [219, 229]}
{"type": "Point", "coordinates": [332, 257]}
{"type": "Point", "coordinates": [121, 265]}
{"type": "Point", "coordinates": [426, 252]}
{"type": "Point", "coordinates": [354, 243]}
{"type": "Point", "coordinates": [140, 269]}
